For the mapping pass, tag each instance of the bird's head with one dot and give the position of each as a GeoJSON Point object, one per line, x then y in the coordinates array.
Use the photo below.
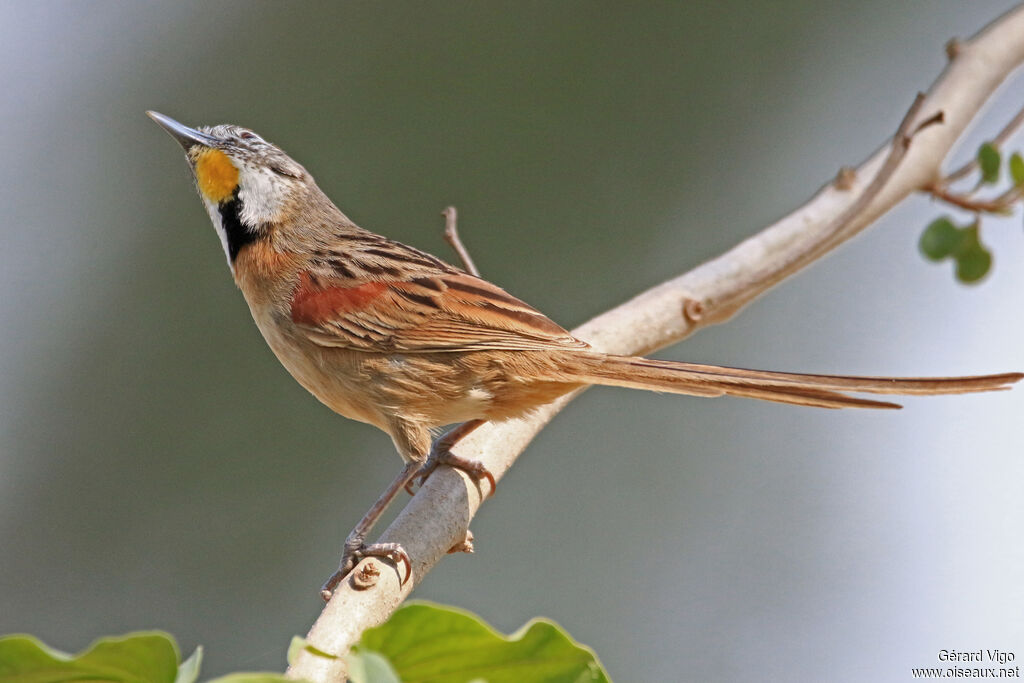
{"type": "Point", "coordinates": [247, 184]}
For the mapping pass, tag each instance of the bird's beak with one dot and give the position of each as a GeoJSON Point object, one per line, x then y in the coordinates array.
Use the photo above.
{"type": "Point", "coordinates": [186, 137]}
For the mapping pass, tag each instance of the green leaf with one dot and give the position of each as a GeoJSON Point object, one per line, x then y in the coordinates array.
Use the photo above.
{"type": "Point", "coordinates": [299, 644]}
{"type": "Point", "coordinates": [973, 259]}
{"type": "Point", "coordinates": [988, 161]}
{"type": "Point", "coordinates": [970, 239]}
{"type": "Point", "coordinates": [188, 671]}
{"type": "Point", "coordinates": [147, 657]}
{"type": "Point", "coordinates": [940, 239]}
{"type": "Point", "coordinates": [425, 642]}
{"type": "Point", "coordinates": [1017, 169]}
{"type": "Point", "coordinates": [370, 667]}
{"type": "Point", "coordinates": [135, 658]}
{"type": "Point", "coordinates": [973, 265]}
{"type": "Point", "coordinates": [253, 677]}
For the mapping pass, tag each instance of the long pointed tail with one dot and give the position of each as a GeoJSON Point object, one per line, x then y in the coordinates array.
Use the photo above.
{"type": "Point", "coordinates": [823, 391]}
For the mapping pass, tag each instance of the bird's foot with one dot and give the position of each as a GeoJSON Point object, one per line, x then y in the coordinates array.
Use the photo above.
{"type": "Point", "coordinates": [441, 454]}
{"type": "Point", "coordinates": [476, 470]}
{"type": "Point", "coordinates": [356, 550]}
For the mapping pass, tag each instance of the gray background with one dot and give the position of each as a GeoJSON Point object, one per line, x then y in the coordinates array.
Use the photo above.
{"type": "Point", "coordinates": [159, 469]}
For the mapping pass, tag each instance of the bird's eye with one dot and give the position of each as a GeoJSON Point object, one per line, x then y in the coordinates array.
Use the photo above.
{"type": "Point", "coordinates": [281, 170]}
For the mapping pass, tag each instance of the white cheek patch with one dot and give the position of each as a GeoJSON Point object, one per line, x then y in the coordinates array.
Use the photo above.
{"type": "Point", "coordinates": [262, 195]}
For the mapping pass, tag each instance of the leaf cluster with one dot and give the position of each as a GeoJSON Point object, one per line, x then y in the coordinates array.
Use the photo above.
{"type": "Point", "coordinates": [421, 642]}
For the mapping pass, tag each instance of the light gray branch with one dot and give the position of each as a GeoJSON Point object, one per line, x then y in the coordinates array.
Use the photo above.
{"type": "Point", "coordinates": [437, 518]}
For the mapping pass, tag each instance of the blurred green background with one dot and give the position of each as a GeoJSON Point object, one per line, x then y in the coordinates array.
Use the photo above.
{"type": "Point", "coordinates": [159, 469]}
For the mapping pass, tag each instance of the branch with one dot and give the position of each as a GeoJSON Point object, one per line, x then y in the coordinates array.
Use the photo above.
{"type": "Point", "coordinates": [451, 236]}
{"type": "Point", "coordinates": [438, 517]}
{"type": "Point", "coordinates": [1003, 204]}
{"type": "Point", "coordinates": [1002, 136]}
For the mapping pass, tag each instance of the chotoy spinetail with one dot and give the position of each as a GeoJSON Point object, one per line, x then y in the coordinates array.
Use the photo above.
{"type": "Point", "coordinates": [386, 334]}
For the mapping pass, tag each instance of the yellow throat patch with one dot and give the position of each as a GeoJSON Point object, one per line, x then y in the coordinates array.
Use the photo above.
{"type": "Point", "coordinates": [216, 175]}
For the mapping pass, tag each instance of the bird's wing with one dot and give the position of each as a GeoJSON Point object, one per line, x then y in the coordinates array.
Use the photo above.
{"type": "Point", "coordinates": [427, 310]}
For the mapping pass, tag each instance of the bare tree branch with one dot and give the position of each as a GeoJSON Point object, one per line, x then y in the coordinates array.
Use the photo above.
{"type": "Point", "coordinates": [451, 235]}
{"type": "Point", "coordinates": [438, 517]}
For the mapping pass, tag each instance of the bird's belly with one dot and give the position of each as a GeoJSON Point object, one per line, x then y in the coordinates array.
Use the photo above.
{"type": "Point", "coordinates": [432, 389]}
{"type": "Point", "coordinates": [377, 387]}
{"type": "Point", "coordinates": [331, 375]}
{"type": "Point", "coordinates": [426, 388]}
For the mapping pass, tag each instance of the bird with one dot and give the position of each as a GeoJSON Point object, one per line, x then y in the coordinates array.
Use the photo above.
{"type": "Point", "coordinates": [389, 335]}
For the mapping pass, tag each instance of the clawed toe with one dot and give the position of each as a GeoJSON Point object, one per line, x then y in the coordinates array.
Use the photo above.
{"type": "Point", "coordinates": [421, 477]}
{"type": "Point", "coordinates": [389, 551]}
{"type": "Point", "coordinates": [476, 470]}
{"type": "Point", "coordinates": [440, 454]}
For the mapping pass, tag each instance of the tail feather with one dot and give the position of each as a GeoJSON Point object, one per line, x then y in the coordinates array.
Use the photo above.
{"type": "Point", "coordinates": [824, 391]}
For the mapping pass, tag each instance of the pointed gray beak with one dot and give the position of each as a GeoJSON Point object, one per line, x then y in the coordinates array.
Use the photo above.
{"type": "Point", "coordinates": [186, 137]}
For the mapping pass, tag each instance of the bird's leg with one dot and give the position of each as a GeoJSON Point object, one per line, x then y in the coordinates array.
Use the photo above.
{"type": "Point", "coordinates": [441, 454]}
{"type": "Point", "coordinates": [451, 235]}
{"type": "Point", "coordinates": [355, 549]}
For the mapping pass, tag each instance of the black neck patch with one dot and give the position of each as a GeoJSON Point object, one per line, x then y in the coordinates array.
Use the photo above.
{"type": "Point", "coordinates": [231, 219]}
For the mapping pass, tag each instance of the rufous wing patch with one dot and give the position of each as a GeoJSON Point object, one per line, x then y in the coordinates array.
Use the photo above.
{"type": "Point", "coordinates": [315, 305]}
{"type": "Point", "coordinates": [440, 314]}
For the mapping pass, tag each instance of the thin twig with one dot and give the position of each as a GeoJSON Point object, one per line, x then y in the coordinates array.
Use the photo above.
{"type": "Point", "coordinates": [451, 235]}
{"type": "Point", "coordinates": [1005, 134]}
{"type": "Point", "coordinates": [846, 224]}
{"type": "Point", "coordinates": [897, 151]}
{"type": "Point", "coordinates": [1001, 205]}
